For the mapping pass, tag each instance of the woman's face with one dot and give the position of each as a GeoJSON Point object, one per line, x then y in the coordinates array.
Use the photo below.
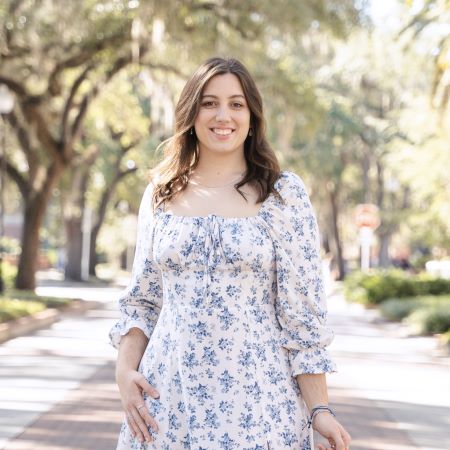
{"type": "Point", "coordinates": [223, 120]}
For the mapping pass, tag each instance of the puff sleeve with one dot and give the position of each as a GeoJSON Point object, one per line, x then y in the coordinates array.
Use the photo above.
{"type": "Point", "coordinates": [140, 303]}
{"type": "Point", "coordinates": [300, 304]}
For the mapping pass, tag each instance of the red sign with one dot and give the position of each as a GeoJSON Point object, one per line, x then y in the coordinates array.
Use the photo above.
{"type": "Point", "coordinates": [367, 215]}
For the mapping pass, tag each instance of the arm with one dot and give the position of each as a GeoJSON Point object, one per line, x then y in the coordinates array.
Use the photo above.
{"type": "Point", "coordinates": [140, 305]}
{"type": "Point", "coordinates": [314, 392]}
{"type": "Point", "coordinates": [131, 350]}
{"type": "Point", "coordinates": [301, 306]}
{"type": "Point", "coordinates": [314, 389]}
{"type": "Point", "coordinates": [133, 384]}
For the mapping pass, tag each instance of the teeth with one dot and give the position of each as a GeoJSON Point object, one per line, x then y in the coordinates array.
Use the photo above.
{"type": "Point", "coordinates": [222, 132]}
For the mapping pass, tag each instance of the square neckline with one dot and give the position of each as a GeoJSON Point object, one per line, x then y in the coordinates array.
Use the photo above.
{"type": "Point", "coordinates": [216, 216]}
{"type": "Point", "coordinates": [160, 210]}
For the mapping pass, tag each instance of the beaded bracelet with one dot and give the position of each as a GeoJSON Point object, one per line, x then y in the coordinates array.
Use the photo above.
{"type": "Point", "coordinates": [317, 410]}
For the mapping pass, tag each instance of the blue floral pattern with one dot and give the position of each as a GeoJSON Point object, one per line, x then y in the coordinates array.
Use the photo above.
{"type": "Point", "coordinates": [234, 309]}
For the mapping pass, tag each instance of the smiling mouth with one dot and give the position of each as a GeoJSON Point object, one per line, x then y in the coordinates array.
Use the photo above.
{"type": "Point", "coordinates": [222, 132]}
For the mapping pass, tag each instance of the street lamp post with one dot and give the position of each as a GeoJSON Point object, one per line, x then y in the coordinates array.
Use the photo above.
{"type": "Point", "coordinates": [6, 106]}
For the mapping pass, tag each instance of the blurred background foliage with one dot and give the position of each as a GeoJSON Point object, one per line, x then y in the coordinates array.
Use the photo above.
{"type": "Point", "coordinates": [356, 100]}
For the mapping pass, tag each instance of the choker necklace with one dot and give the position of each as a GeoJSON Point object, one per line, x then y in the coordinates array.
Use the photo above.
{"type": "Point", "coordinates": [196, 183]}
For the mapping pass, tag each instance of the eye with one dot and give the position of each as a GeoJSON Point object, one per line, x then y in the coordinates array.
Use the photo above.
{"type": "Point", "coordinates": [237, 105]}
{"type": "Point", "coordinates": [208, 104]}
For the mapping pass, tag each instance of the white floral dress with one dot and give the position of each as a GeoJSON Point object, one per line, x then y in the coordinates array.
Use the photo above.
{"type": "Point", "coordinates": [234, 309]}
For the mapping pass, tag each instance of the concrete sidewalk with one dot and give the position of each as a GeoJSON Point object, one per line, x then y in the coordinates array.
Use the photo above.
{"type": "Point", "coordinates": [88, 418]}
{"type": "Point", "coordinates": [57, 389]}
{"type": "Point", "coordinates": [392, 391]}
{"type": "Point", "coordinates": [40, 371]}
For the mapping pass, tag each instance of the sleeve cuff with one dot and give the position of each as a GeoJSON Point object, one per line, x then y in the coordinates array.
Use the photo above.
{"type": "Point", "coordinates": [310, 361]}
{"type": "Point", "coordinates": [122, 327]}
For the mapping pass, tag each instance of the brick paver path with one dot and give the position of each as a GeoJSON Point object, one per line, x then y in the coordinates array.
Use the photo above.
{"type": "Point", "coordinates": [89, 418]}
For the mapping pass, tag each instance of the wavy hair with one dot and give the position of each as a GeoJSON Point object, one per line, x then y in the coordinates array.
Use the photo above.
{"type": "Point", "coordinates": [181, 154]}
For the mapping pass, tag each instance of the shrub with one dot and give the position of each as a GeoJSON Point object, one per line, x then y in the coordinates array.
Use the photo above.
{"type": "Point", "coordinates": [381, 284]}
{"type": "Point", "coordinates": [399, 308]}
{"type": "Point", "coordinates": [445, 338]}
{"type": "Point", "coordinates": [9, 272]}
{"type": "Point", "coordinates": [430, 320]}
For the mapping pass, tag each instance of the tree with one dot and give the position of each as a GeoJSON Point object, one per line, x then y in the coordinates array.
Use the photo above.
{"type": "Point", "coordinates": [57, 60]}
{"type": "Point", "coordinates": [52, 106]}
{"type": "Point", "coordinates": [114, 127]}
{"type": "Point", "coordinates": [432, 18]}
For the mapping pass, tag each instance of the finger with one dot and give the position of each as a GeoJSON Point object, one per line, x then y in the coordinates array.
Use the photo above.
{"type": "Point", "coordinates": [130, 426]}
{"type": "Point", "coordinates": [147, 387]}
{"type": "Point", "coordinates": [149, 420]}
{"type": "Point", "coordinates": [321, 447]}
{"type": "Point", "coordinates": [337, 441]}
{"type": "Point", "coordinates": [346, 437]}
{"type": "Point", "coordinates": [134, 428]}
{"type": "Point", "coordinates": [142, 426]}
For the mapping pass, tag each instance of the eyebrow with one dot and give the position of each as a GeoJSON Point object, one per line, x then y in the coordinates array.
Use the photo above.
{"type": "Point", "coordinates": [231, 96]}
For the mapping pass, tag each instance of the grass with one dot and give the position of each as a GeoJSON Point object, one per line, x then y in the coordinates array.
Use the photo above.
{"type": "Point", "coordinates": [16, 304]}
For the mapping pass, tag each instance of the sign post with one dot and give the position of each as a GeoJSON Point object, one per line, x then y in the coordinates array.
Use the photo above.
{"type": "Point", "coordinates": [367, 220]}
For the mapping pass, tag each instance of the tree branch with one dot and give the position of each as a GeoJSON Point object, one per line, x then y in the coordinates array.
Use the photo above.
{"type": "Point", "coordinates": [119, 64]}
{"type": "Point", "coordinates": [167, 68]}
{"type": "Point", "coordinates": [223, 15]}
{"type": "Point", "coordinates": [117, 136]}
{"type": "Point", "coordinates": [21, 133]}
{"type": "Point", "coordinates": [123, 173]}
{"type": "Point", "coordinates": [15, 51]}
{"type": "Point", "coordinates": [69, 102]}
{"type": "Point", "coordinates": [17, 177]}
{"type": "Point", "coordinates": [421, 20]}
{"type": "Point", "coordinates": [126, 148]}
{"type": "Point", "coordinates": [32, 114]}
{"type": "Point", "coordinates": [14, 86]}
{"type": "Point", "coordinates": [86, 54]}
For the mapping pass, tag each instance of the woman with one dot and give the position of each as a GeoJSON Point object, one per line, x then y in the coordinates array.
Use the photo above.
{"type": "Point", "coordinates": [222, 332]}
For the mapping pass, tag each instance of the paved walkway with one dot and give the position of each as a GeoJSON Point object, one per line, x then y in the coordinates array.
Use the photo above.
{"type": "Point", "coordinates": [57, 389]}
{"type": "Point", "coordinates": [55, 368]}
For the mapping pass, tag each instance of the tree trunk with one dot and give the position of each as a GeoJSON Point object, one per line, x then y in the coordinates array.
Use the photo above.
{"type": "Point", "coordinates": [337, 238]}
{"type": "Point", "coordinates": [366, 163]}
{"type": "Point", "coordinates": [34, 212]}
{"type": "Point", "coordinates": [74, 248]}
{"type": "Point", "coordinates": [93, 257]}
{"type": "Point", "coordinates": [101, 213]}
{"type": "Point", "coordinates": [383, 254]}
{"type": "Point", "coordinates": [383, 231]}
{"type": "Point", "coordinates": [74, 222]}
{"type": "Point", "coordinates": [35, 207]}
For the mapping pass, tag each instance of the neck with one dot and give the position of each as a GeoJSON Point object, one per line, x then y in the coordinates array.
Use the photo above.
{"type": "Point", "coordinates": [214, 168]}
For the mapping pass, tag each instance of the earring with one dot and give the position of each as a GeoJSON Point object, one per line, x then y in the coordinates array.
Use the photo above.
{"type": "Point", "coordinates": [192, 131]}
{"type": "Point", "coordinates": [250, 132]}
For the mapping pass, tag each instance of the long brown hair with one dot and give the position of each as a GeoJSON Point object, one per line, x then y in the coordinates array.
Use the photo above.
{"type": "Point", "coordinates": [181, 151]}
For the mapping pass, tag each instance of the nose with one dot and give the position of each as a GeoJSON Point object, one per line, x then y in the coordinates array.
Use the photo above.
{"type": "Point", "coordinates": [222, 114]}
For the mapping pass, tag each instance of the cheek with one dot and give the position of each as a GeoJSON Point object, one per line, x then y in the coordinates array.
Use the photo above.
{"type": "Point", "coordinates": [245, 121]}
{"type": "Point", "coordinates": [245, 117]}
{"type": "Point", "coordinates": [204, 116]}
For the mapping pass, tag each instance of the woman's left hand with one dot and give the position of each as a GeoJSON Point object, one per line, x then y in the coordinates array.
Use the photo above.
{"type": "Point", "coordinates": [326, 425]}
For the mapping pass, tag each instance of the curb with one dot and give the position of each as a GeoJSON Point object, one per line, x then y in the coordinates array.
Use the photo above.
{"type": "Point", "coordinates": [42, 319]}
